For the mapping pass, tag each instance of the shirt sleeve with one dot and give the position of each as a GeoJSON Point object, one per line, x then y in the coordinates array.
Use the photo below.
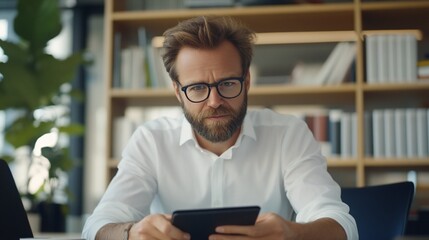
{"type": "Point", "coordinates": [309, 187]}
{"type": "Point", "coordinates": [130, 193]}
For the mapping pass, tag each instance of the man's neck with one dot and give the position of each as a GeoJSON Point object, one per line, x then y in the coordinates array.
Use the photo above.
{"type": "Point", "coordinates": [217, 147]}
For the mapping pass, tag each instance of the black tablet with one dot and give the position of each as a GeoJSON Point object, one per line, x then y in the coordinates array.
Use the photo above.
{"type": "Point", "coordinates": [201, 223]}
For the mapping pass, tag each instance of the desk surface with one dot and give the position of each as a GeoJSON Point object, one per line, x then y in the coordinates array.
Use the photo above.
{"type": "Point", "coordinates": [55, 236]}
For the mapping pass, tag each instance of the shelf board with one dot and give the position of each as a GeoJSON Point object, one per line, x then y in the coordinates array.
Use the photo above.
{"type": "Point", "coordinates": [144, 97]}
{"type": "Point", "coordinates": [400, 162]}
{"type": "Point", "coordinates": [339, 162]}
{"type": "Point", "coordinates": [150, 92]}
{"type": "Point", "coordinates": [415, 32]}
{"type": "Point", "coordinates": [271, 38]}
{"type": "Point", "coordinates": [305, 37]}
{"type": "Point", "coordinates": [419, 85]}
{"type": "Point", "coordinates": [301, 89]}
{"type": "Point", "coordinates": [400, 5]}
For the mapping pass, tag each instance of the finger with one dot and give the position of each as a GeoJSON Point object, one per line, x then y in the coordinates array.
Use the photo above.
{"type": "Point", "coordinates": [228, 237]}
{"type": "Point", "coordinates": [159, 227]}
{"type": "Point", "coordinates": [167, 216]}
{"type": "Point", "coordinates": [260, 229]}
{"type": "Point", "coordinates": [250, 231]}
{"type": "Point", "coordinates": [163, 224]}
{"type": "Point", "coordinates": [145, 230]}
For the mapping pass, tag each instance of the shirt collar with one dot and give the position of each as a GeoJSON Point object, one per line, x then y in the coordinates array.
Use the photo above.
{"type": "Point", "coordinates": [187, 133]}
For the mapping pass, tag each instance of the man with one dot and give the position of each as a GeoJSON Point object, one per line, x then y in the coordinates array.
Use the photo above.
{"type": "Point", "coordinates": [218, 154]}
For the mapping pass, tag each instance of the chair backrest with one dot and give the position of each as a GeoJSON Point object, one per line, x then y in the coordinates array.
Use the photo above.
{"type": "Point", "coordinates": [13, 217]}
{"type": "Point", "coordinates": [381, 211]}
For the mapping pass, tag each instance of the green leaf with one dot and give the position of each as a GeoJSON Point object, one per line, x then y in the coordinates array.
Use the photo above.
{"type": "Point", "coordinates": [52, 73]}
{"type": "Point", "coordinates": [59, 159]}
{"type": "Point", "coordinates": [15, 52]}
{"type": "Point", "coordinates": [19, 85]}
{"type": "Point", "coordinates": [7, 158]}
{"type": "Point", "coordinates": [37, 21]}
{"type": "Point", "coordinates": [77, 95]}
{"type": "Point", "coordinates": [23, 131]}
{"type": "Point", "coordinates": [72, 129]}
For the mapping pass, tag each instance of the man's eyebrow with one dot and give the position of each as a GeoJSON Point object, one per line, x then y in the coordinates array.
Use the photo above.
{"type": "Point", "coordinates": [216, 80]}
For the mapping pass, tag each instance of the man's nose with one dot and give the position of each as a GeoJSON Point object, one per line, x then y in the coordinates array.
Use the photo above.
{"type": "Point", "coordinates": [215, 99]}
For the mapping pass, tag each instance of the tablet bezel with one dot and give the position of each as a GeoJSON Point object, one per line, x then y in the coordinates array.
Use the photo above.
{"type": "Point", "coordinates": [201, 223]}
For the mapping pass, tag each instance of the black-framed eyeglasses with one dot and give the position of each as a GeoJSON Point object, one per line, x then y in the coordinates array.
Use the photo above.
{"type": "Point", "coordinates": [227, 88]}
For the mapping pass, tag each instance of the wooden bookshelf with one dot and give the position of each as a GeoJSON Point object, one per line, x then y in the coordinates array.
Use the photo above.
{"type": "Point", "coordinates": [293, 24]}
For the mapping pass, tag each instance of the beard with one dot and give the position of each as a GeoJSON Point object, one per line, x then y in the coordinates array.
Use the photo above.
{"type": "Point", "coordinates": [221, 130]}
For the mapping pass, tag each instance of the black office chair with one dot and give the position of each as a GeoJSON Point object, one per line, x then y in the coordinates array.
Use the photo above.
{"type": "Point", "coordinates": [381, 212]}
{"type": "Point", "coordinates": [13, 217]}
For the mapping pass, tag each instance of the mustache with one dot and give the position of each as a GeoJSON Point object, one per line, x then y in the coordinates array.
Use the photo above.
{"type": "Point", "coordinates": [218, 111]}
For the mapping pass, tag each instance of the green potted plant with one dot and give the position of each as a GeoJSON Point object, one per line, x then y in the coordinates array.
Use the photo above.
{"type": "Point", "coordinates": [32, 80]}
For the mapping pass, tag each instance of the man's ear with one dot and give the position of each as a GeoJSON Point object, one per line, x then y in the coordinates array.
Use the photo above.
{"type": "Point", "coordinates": [177, 91]}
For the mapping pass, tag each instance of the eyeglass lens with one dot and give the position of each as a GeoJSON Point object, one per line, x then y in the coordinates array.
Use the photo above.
{"type": "Point", "coordinates": [230, 88]}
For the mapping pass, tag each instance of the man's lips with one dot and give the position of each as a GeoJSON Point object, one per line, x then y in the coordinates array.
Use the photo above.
{"type": "Point", "coordinates": [217, 116]}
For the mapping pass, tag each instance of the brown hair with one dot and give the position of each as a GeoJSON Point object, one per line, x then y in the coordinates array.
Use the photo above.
{"type": "Point", "coordinates": [207, 33]}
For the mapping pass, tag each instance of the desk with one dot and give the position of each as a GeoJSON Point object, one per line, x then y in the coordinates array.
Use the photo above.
{"type": "Point", "coordinates": [55, 236]}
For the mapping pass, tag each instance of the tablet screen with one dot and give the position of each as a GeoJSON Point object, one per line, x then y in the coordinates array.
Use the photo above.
{"type": "Point", "coordinates": [201, 223]}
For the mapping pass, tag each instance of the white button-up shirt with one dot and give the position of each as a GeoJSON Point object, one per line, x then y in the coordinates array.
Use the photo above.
{"type": "Point", "coordinates": [275, 164]}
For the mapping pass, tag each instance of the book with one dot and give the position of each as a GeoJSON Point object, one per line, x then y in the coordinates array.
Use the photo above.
{"type": "Point", "coordinates": [117, 65]}
{"type": "Point", "coordinates": [138, 68]}
{"type": "Point", "coordinates": [378, 133]}
{"type": "Point", "coordinates": [423, 72]}
{"type": "Point", "coordinates": [400, 138]}
{"type": "Point", "coordinates": [389, 133]}
{"type": "Point", "coordinates": [368, 147]}
{"type": "Point", "coordinates": [391, 58]}
{"type": "Point", "coordinates": [335, 131]}
{"type": "Point", "coordinates": [133, 5]}
{"type": "Point", "coordinates": [427, 126]}
{"type": "Point", "coordinates": [343, 65]}
{"type": "Point", "coordinates": [371, 59]}
{"type": "Point", "coordinates": [392, 55]}
{"type": "Point", "coordinates": [411, 132]}
{"type": "Point", "coordinates": [400, 59]}
{"type": "Point", "coordinates": [145, 44]}
{"type": "Point", "coordinates": [305, 73]}
{"type": "Point", "coordinates": [422, 132]}
{"type": "Point", "coordinates": [382, 58]}
{"type": "Point", "coordinates": [163, 79]}
{"type": "Point", "coordinates": [346, 135]}
{"type": "Point", "coordinates": [320, 130]}
{"type": "Point", "coordinates": [329, 65]}
{"type": "Point", "coordinates": [126, 67]}
{"type": "Point", "coordinates": [130, 70]}
{"type": "Point", "coordinates": [410, 58]}
{"type": "Point", "coordinates": [354, 136]}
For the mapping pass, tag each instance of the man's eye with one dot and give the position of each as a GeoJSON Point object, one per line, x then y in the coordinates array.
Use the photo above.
{"type": "Point", "coordinates": [197, 88]}
{"type": "Point", "coordinates": [227, 84]}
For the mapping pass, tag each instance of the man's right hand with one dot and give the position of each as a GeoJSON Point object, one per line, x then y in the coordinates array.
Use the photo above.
{"type": "Point", "coordinates": [156, 226]}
